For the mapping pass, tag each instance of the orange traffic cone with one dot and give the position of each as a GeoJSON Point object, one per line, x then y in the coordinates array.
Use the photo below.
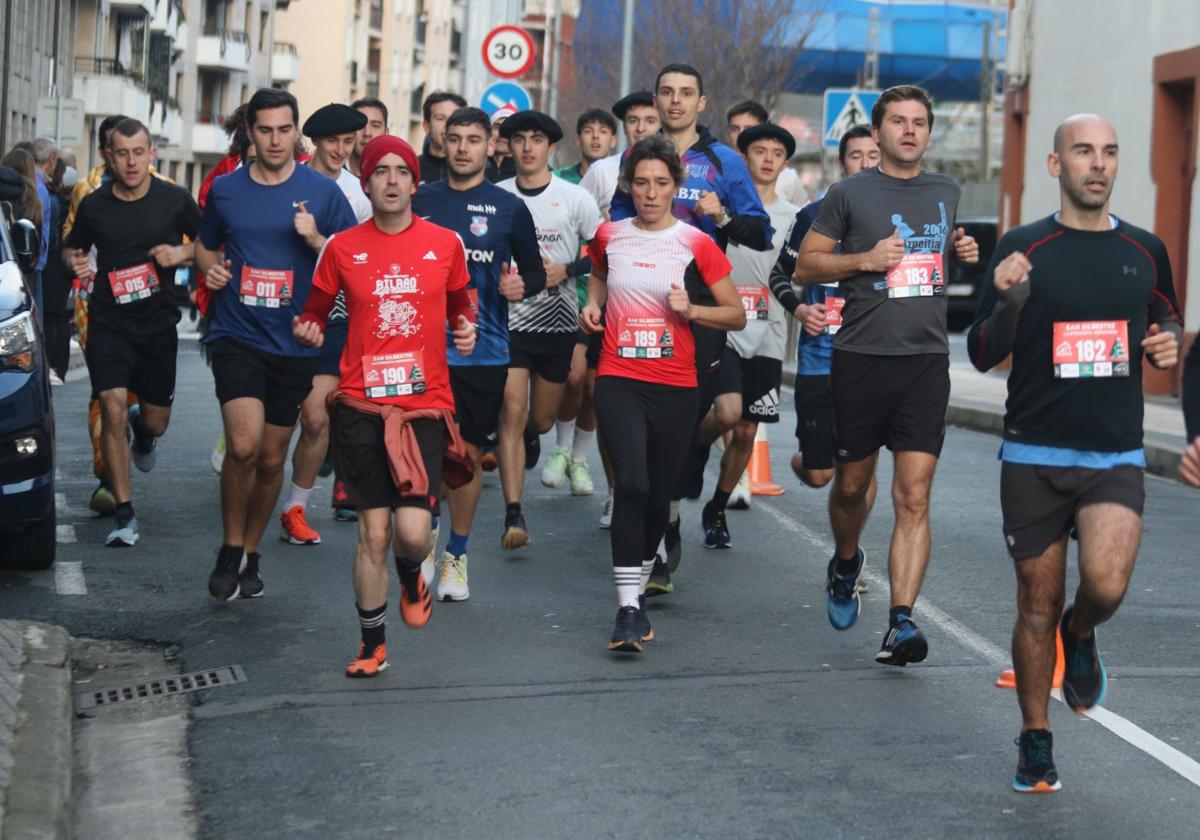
{"type": "Point", "coordinates": [1008, 677]}
{"type": "Point", "coordinates": [761, 483]}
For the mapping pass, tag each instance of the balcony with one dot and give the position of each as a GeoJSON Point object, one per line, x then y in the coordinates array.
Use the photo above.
{"type": "Point", "coordinates": [208, 137]}
{"type": "Point", "coordinates": [127, 6]}
{"type": "Point", "coordinates": [285, 63]}
{"type": "Point", "coordinates": [375, 19]}
{"type": "Point", "coordinates": [166, 124]}
{"type": "Point", "coordinates": [223, 49]}
{"type": "Point", "coordinates": [106, 87]}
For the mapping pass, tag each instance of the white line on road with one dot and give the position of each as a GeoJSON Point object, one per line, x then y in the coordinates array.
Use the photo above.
{"type": "Point", "coordinates": [68, 579]}
{"type": "Point", "coordinates": [1129, 732]}
{"type": "Point", "coordinates": [65, 533]}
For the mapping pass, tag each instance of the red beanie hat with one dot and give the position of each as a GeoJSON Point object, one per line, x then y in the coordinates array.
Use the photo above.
{"type": "Point", "coordinates": [383, 145]}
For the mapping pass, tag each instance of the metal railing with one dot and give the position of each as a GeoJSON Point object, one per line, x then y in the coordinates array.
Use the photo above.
{"type": "Point", "coordinates": [284, 48]}
{"type": "Point", "coordinates": [105, 67]}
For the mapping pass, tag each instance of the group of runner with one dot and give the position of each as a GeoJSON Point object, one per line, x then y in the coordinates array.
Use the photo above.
{"type": "Point", "coordinates": [412, 314]}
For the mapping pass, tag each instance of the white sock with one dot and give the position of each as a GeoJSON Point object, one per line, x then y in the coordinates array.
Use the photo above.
{"type": "Point", "coordinates": [627, 578]}
{"type": "Point", "coordinates": [297, 496]}
{"type": "Point", "coordinates": [564, 431]}
{"type": "Point", "coordinates": [673, 516]}
{"type": "Point", "coordinates": [583, 441]}
{"type": "Point", "coordinates": [648, 566]}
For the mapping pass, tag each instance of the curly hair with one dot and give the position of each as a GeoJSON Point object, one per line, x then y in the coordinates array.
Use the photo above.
{"type": "Point", "coordinates": [31, 205]}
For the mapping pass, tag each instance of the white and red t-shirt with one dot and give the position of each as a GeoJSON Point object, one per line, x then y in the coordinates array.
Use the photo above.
{"type": "Point", "coordinates": [395, 288]}
{"type": "Point", "coordinates": [643, 338]}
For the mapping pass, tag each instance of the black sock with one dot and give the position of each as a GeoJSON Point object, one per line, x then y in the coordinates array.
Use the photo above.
{"type": "Point", "coordinates": [252, 558]}
{"type": "Point", "coordinates": [231, 554]}
{"type": "Point", "coordinates": [844, 567]}
{"type": "Point", "coordinates": [895, 612]}
{"type": "Point", "coordinates": [512, 510]}
{"type": "Point", "coordinates": [719, 500]}
{"type": "Point", "coordinates": [124, 512]}
{"type": "Point", "coordinates": [139, 426]}
{"type": "Point", "coordinates": [406, 568]}
{"type": "Point", "coordinates": [372, 624]}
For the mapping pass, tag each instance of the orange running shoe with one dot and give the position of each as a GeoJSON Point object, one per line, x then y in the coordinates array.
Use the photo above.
{"type": "Point", "coordinates": [368, 663]}
{"type": "Point", "coordinates": [416, 603]}
{"type": "Point", "coordinates": [488, 461]}
{"type": "Point", "coordinates": [295, 527]}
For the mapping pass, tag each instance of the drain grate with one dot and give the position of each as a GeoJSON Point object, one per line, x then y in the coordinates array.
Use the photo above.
{"type": "Point", "coordinates": [177, 684]}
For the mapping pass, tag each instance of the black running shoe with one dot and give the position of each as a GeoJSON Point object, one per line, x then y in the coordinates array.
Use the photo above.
{"type": "Point", "coordinates": [645, 631]}
{"type": "Point", "coordinates": [660, 579]}
{"type": "Point", "coordinates": [716, 529]}
{"type": "Point", "coordinates": [249, 580]}
{"type": "Point", "coordinates": [1035, 763]}
{"type": "Point", "coordinates": [626, 636]}
{"type": "Point", "coordinates": [674, 545]}
{"type": "Point", "coordinates": [516, 533]}
{"type": "Point", "coordinates": [533, 451]}
{"type": "Point", "coordinates": [1085, 681]}
{"type": "Point", "coordinates": [902, 643]}
{"type": "Point", "coordinates": [223, 582]}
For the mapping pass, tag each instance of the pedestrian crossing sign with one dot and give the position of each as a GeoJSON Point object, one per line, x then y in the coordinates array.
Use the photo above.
{"type": "Point", "coordinates": [844, 109]}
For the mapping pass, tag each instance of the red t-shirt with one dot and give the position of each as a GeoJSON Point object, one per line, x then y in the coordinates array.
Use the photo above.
{"type": "Point", "coordinates": [396, 287]}
{"type": "Point", "coordinates": [643, 338]}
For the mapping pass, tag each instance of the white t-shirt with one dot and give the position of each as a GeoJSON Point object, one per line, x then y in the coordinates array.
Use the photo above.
{"type": "Point", "coordinates": [763, 336]}
{"type": "Point", "coordinates": [601, 181]}
{"type": "Point", "coordinates": [790, 189]}
{"type": "Point", "coordinates": [351, 187]}
{"type": "Point", "coordinates": [565, 216]}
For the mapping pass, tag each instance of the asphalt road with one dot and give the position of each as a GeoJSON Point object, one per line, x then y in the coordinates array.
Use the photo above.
{"type": "Point", "coordinates": [747, 716]}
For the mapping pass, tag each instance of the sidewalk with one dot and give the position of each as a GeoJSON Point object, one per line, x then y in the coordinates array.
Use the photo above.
{"type": "Point", "coordinates": [35, 731]}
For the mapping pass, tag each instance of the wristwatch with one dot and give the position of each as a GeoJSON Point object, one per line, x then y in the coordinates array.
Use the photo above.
{"type": "Point", "coordinates": [725, 217]}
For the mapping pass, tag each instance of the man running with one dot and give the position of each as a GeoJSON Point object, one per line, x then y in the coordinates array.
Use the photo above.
{"type": "Point", "coordinates": [639, 118]}
{"type": "Point", "coordinates": [747, 114]}
{"type": "Point", "coordinates": [271, 218]}
{"type": "Point", "coordinates": [436, 109]}
{"type": "Point", "coordinates": [137, 224]}
{"type": "Point", "coordinates": [497, 230]}
{"type": "Point", "coordinates": [377, 123]}
{"type": "Point", "coordinates": [542, 329]}
{"type": "Point", "coordinates": [333, 130]}
{"type": "Point", "coordinates": [890, 368]}
{"type": "Point", "coordinates": [402, 279]}
{"type": "Point", "coordinates": [1078, 298]}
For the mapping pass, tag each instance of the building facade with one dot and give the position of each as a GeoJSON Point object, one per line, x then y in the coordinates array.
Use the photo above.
{"type": "Point", "coordinates": [38, 36]}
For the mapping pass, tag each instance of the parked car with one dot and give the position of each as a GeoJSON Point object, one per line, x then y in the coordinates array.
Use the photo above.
{"type": "Point", "coordinates": [27, 509]}
{"type": "Point", "coordinates": [966, 281]}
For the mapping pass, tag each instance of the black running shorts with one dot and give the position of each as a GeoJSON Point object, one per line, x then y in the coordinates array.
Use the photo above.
{"type": "Point", "coordinates": [1039, 504]}
{"type": "Point", "coordinates": [544, 353]}
{"type": "Point", "coordinates": [478, 398]}
{"type": "Point", "coordinates": [280, 383]}
{"type": "Point", "coordinates": [360, 460]}
{"type": "Point", "coordinates": [756, 379]}
{"type": "Point", "coordinates": [814, 421]}
{"type": "Point", "coordinates": [894, 401]}
{"type": "Point", "coordinates": [144, 364]}
{"type": "Point", "coordinates": [593, 343]}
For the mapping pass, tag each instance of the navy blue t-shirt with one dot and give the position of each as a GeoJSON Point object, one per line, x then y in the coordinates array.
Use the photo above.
{"type": "Point", "coordinates": [496, 228]}
{"type": "Point", "coordinates": [272, 265]}
{"type": "Point", "coordinates": [814, 353]}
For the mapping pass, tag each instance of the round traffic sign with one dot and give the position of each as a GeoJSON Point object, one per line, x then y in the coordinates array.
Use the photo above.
{"type": "Point", "coordinates": [508, 51]}
{"type": "Point", "coordinates": [500, 94]}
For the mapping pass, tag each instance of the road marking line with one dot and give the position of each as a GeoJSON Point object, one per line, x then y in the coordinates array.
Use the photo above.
{"type": "Point", "coordinates": [68, 579]}
{"type": "Point", "coordinates": [1127, 731]}
{"type": "Point", "coordinates": [64, 533]}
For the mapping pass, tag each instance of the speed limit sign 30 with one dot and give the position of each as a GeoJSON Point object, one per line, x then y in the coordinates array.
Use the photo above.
{"type": "Point", "coordinates": [508, 52]}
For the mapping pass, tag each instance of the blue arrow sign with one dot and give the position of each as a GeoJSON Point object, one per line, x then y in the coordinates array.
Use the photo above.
{"type": "Point", "coordinates": [844, 109]}
{"type": "Point", "coordinates": [505, 93]}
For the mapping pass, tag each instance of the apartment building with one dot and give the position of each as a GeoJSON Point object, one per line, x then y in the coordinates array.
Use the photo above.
{"type": "Point", "coordinates": [36, 49]}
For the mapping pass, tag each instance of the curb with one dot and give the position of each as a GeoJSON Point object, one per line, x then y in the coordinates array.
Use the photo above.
{"type": "Point", "coordinates": [39, 791]}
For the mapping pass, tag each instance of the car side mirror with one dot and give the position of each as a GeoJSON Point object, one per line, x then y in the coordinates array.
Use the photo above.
{"type": "Point", "coordinates": [26, 244]}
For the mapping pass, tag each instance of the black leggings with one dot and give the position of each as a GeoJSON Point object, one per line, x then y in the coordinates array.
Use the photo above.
{"type": "Point", "coordinates": [646, 429]}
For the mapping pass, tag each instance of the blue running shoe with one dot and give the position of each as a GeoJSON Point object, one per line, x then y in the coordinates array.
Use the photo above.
{"type": "Point", "coordinates": [903, 643]}
{"type": "Point", "coordinates": [716, 529]}
{"type": "Point", "coordinates": [842, 604]}
{"type": "Point", "coordinates": [1035, 763]}
{"type": "Point", "coordinates": [1085, 681]}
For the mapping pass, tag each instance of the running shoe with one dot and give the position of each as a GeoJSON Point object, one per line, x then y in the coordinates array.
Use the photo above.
{"type": "Point", "coordinates": [368, 662]}
{"type": "Point", "coordinates": [1085, 682]}
{"type": "Point", "coordinates": [294, 527]}
{"type": "Point", "coordinates": [487, 461]}
{"type": "Point", "coordinates": [716, 529]}
{"type": "Point", "coordinates": [660, 579]}
{"type": "Point", "coordinates": [143, 446]}
{"type": "Point", "coordinates": [515, 532]}
{"type": "Point", "coordinates": [606, 514]}
{"type": "Point", "coordinates": [345, 514]}
{"type": "Point", "coordinates": [645, 631]}
{"type": "Point", "coordinates": [223, 582]}
{"type": "Point", "coordinates": [739, 499]}
{"type": "Point", "coordinates": [217, 459]}
{"type": "Point", "coordinates": [55, 379]}
{"type": "Point", "coordinates": [581, 479]}
{"type": "Point", "coordinates": [416, 604]}
{"type": "Point", "coordinates": [842, 603]}
{"type": "Point", "coordinates": [429, 564]}
{"type": "Point", "coordinates": [452, 583]}
{"type": "Point", "coordinates": [626, 635]}
{"type": "Point", "coordinates": [554, 473]}
{"type": "Point", "coordinates": [674, 545]}
{"type": "Point", "coordinates": [1035, 763]}
{"type": "Point", "coordinates": [249, 580]}
{"type": "Point", "coordinates": [533, 451]}
{"type": "Point", "coordinates": [124, 535]}
{"type": "Point", "coordinates": [902, 643]}
{"type": "Point", "coordinates": [103, 501]}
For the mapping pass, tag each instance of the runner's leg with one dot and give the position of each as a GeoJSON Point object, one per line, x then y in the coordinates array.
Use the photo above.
{"type": "Point", "coordinates": [1109, 536]}
{"type": "Point", "coordinates": [513, 418]}
{"type": "Point", "coordinates": [850, 502]}
{"type": "Point", "coordinates": [114, 445]}
{"type": "Point", "coordinates": [1040, 585]}
{"type": "Point", "coordinates": [244, 421]}
{"type": "Point", "coordinates": [268, 478]}
{"type": "Point", "coordinates": [909, 556]}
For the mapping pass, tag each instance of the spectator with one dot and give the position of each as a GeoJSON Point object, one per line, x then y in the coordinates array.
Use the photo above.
{"type": "Point", "coordinates": [31, 209]}
{"type": "Point", "coordinates": [56, 282]}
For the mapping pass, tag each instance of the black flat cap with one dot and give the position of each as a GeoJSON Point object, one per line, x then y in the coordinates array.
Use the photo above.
{"type": "Point", "coordinates": [766, 131]}
{"type": "Point", "coordinates": [332, 120]}
{"type": "Point", "coordinates": [638, 97]}
{"type": "Point", "coordinates": [531, 121]}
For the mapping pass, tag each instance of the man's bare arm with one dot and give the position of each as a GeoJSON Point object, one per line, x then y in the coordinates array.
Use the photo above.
{"type": "Point", "coordinates": [816, 262]}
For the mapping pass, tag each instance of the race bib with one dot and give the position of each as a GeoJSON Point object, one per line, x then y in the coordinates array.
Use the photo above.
{"type": "Point", "coordinates": [393, 375]}
{"type": "Point", "coordinates": [754, 301]}
{"type": "Point", "coordinates": [137, 282]}
{"type": "Point", "coordinates": [645, 338]}
{"type": "Point", "coordinates": [267, 287]}
{"type": "Point", "coordinates": [1085, 349]}
{"type": "Point", "coordinates": [917, 275]}
{"type": "Point", "coordinates": [834, 304]}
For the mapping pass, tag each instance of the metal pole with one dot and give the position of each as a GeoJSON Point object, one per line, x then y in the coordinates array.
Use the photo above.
{"type": "Point", "coordinates": [985, 99]}
{"type": "Point", "coordinates": [627, 49]}
{"type": "Point", "coordinates": [555, 59]}
{"type": "Point", "coordinates": [8, 13]}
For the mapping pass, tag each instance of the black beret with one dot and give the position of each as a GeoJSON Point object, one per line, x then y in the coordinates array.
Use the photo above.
{"type": "Point", "coordinates": [766, 131]}
{"type": "Point", "coordinates": [638, 97]}
{"type": "Point", "coordinates": [531, 121]}
{"type": "Point", "coordinates": [332, 120]}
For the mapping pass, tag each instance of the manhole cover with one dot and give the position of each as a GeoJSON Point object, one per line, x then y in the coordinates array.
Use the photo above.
{"type": "Point", "coordinates": [176, 684]}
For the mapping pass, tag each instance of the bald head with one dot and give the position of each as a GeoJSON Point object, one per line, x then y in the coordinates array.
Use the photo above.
{"type": "Point", "coordinates": [1084, 161]}
{"type": "Point", "coordinates": [1081, 126]}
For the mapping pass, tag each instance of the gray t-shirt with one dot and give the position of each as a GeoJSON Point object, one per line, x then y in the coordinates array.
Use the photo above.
{"type": "Point", "coordinates": [902, 312]}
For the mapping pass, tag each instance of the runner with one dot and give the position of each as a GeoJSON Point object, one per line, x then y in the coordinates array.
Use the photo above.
{"type": "Point", "coordinates": [377, 123]}
{"type": "Point", "coordinates": [497, 230]}
{"type": "Point", "coordinates": [436, 109]}
{"type": "Point", "coordinates": [137, 224]}
{"type": "Point", "coordinates": [333, 130]}
{"type": "Point", "coordinates": [270, 217]}
{"type": "Point", "coordinates": [890, 367]}
{"type": "Point", "coordinates": [747, 114]}
{"type": "Point", "coordinates": [647, 270]}
{"type": "Point", "coordinates": [501, 165]}
{"type": "Point", "coordinates": [401, 279]}
{"type": "Point", "coordinates": [639, 119]}
{"type": "Point", "coordinates": [752, 361]}
{"type": "Point", "coordinates": [819, 311]}
{"type": "Point", "coordinates": [1077, 298]}
{"type": "Point", "coordinates": [543, 328]}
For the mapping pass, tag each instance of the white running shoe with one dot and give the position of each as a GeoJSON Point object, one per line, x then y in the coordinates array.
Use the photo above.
{"type": "Point", "coordinates": [123, 536]}
{"type": "Point", "coordinates": [452, 585]}
{"type": "Point", "coordinates": [218, 454]}
{"type": "Point", "coordinates": [739, 499]}
{"type": "Point", "coordinates": [428, 565]}
{"type": "Point", "coordinates": [606, 516]}
{"type": "Point", "coordinates": [55, 379]}
{"type": "Point", "coordinates": [581, 479]}
{"type": "Point", "coordinates": [554, 473]}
